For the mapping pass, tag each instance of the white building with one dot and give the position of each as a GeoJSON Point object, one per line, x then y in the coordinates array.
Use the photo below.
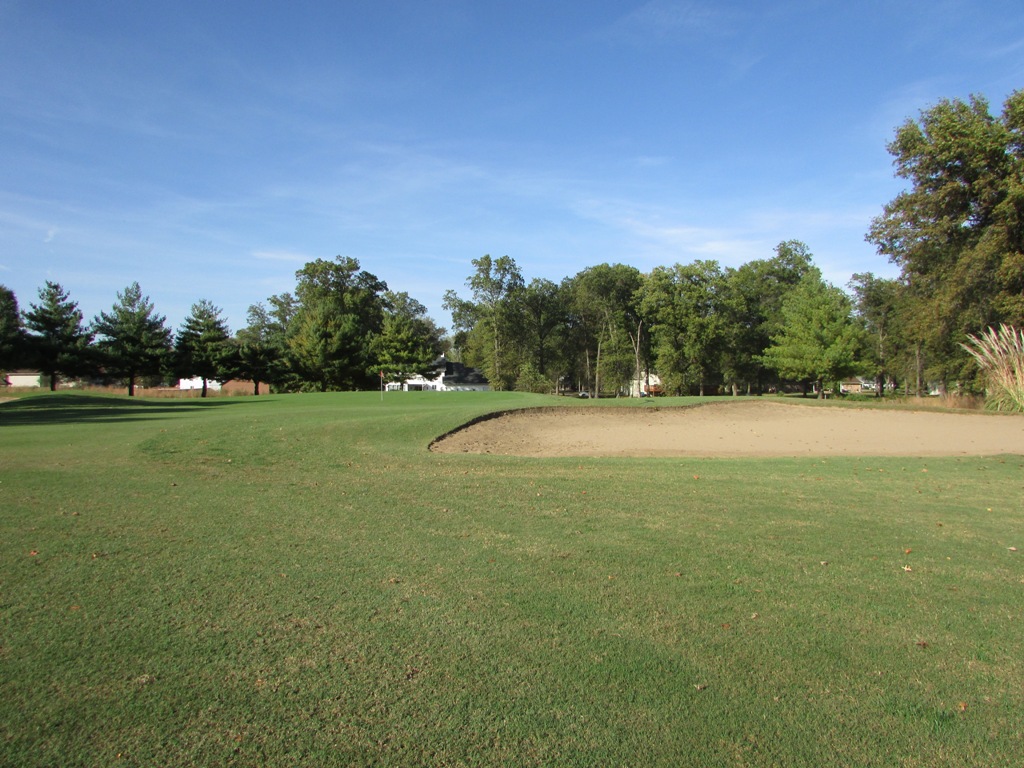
{"type": "Point", "coordinates": [196, 382]}
{"type": "Point", "coordinates": [446, 377]}
{"type": "Point", "coordinates": [28, 379]}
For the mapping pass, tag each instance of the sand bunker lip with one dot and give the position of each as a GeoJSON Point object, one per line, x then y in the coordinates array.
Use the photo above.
{"type": "Point", "coordinates": [747, 428]}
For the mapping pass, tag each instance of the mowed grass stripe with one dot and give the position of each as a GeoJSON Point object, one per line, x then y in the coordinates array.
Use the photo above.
{"type": "Point", "coordinates": [296, 580]}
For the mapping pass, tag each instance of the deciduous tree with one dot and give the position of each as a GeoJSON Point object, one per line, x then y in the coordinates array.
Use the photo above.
{"type": "Point", "coordinates": [958, 231]}
{"type": "Point", "coordinates": [686, 304]}
{"type": "Point", "coordinates": [261, 348]}
{"type": "Point", "coordinates": [340, 311]}
{"type": "Point", "coordinates": [605, 303]}
{"type": "Point", "coordinates": [877, 304]}
{"type": "Point", "coordinates": [487, 323]}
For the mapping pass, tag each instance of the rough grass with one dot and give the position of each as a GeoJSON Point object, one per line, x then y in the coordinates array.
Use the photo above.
{"type": "Point", "coordinates": [999, 353]}
{"type": "Point", "coordinates": [295, 580]}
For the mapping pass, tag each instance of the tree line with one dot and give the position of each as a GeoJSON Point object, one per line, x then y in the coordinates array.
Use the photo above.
{"type": "Point", "coordinates": [956, 232]}
{"type": "Point", "coordinates": [340, 329]}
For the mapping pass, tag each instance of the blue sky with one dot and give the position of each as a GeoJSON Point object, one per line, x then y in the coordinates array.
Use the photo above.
{"type": "Point", "coordinates": [210, 149]}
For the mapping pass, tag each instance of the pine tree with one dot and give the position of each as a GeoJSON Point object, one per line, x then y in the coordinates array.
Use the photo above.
{"type": "Point", "coordinates": [203, 347]}
{"type": "Point", "coordinates": [12, 332]}
{"type": "Point", "coordinates": [819, 341]}
{"type": "Point", "coordinates": [133, 341]}
{"type": "Point", "coordinates": [58, 342]}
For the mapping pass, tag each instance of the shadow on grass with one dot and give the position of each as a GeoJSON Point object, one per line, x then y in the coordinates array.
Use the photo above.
{"type": "Point", "coordinates": [77, 409]}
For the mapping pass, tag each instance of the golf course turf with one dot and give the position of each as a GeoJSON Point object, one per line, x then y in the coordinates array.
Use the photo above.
{"type": "Point", "coordinates": [298, 580]}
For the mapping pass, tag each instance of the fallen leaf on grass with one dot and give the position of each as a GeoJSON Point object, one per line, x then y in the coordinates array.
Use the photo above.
{"type": "Point", "coordinates": [922, 643]}
{"type": "Point", "coordinates": [1013, 549]}
{"type": "Point", "coordinates": [700, 686]}
{"type": "Point", "coordinates": [962, 706]}
{"type": "Point", "coordinates": [907, 568]}
{"type": "Point", "coordinates": [907, 551]}
{"type": "Point", "coordinates": [33, 553]}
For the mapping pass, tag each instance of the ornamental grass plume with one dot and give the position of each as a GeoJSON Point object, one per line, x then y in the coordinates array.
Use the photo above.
{"type": "Point", "coordinates": [1000, 355]}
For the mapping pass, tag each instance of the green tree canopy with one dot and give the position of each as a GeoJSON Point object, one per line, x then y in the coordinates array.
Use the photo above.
{"type": "Point", "coordinates": [133, 341]}
{"type": "Point", "coordinates": [12, 332]}
{"type": "Point", "coordinates": [958, 231]}
{"type": "Point", "coordinates": [261, 348]}
{"type": "Point", "coordinates": [605, 304]}
{"type": "Point", "coordinates": [487, 324]}
{"type": "Point", "coordinates": [687, 307]}
{"type": "Point", "coordinates": [337, 313]}
{"type": "Point", "coordinates": [58, 341]}
{"type": "Point", "coordinates": [877, 305]}
{"type": "Point", "coordinates": [409, 342]}
{"type": "Point", "coordinates": [819, 341]}
{"type": "Point", "coordinates": [203, 347]}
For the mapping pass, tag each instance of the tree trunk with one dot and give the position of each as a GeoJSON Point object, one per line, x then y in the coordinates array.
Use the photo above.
{"type": "Point", "coordinates": [636, 351]}
{"type": "Point", "coordinates": [256, 386]}
{"type": "Point", "coordinates": [131, 385]}
{"type": "Point", "coordinates": [204, 388]}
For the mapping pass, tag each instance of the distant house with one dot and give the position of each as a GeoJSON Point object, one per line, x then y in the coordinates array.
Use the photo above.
{"type": "Point", "coordinates": [647, 385]}
{"type": "Point", "coordinates": [851, 386]}
{"type": "Point", "coordinates": [447, 376]}
{"type": "Point", "coordinates": [196, 382]}
{"type": "Point", "coordinates": [27, 379]}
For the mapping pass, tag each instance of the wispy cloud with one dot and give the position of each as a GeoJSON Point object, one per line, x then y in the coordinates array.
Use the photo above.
{"type": "Point", "coordinates": [664, 19]}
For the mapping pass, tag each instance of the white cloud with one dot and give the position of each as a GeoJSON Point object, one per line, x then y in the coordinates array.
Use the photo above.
{"type": "Point", "coordinates": [666, 18]}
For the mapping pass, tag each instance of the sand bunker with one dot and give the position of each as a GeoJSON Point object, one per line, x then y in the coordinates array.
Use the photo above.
{"type": "Point", "coordinates": [744, 428]}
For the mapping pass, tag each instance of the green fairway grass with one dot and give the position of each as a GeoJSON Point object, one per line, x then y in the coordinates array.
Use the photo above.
{"type": "Point", "coordinates": [297, 581]}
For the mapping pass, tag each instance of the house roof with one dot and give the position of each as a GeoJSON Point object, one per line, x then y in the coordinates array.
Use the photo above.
{"type": "Point", "coordinates": [458, 375]}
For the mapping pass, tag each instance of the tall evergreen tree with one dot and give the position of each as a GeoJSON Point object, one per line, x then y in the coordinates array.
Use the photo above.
{"type": "Point", "coordinates": [325, 345]}
{"type": "Point", "coordinates": [12, 332]}
{"type": "Point", "coordinates": [58, 341]}
{"type": "Point", "coordinates": [819, 341]}
{"type": "Point", "coordinates": [133, 341]}
{"type": "Point", "coordinates": [409, 342]}
{"type": "Point", "coordinates": [203, 347]}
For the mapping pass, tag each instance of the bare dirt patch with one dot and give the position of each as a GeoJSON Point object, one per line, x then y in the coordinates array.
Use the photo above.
{"type": "Point", "coordinates": [746, 428]}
